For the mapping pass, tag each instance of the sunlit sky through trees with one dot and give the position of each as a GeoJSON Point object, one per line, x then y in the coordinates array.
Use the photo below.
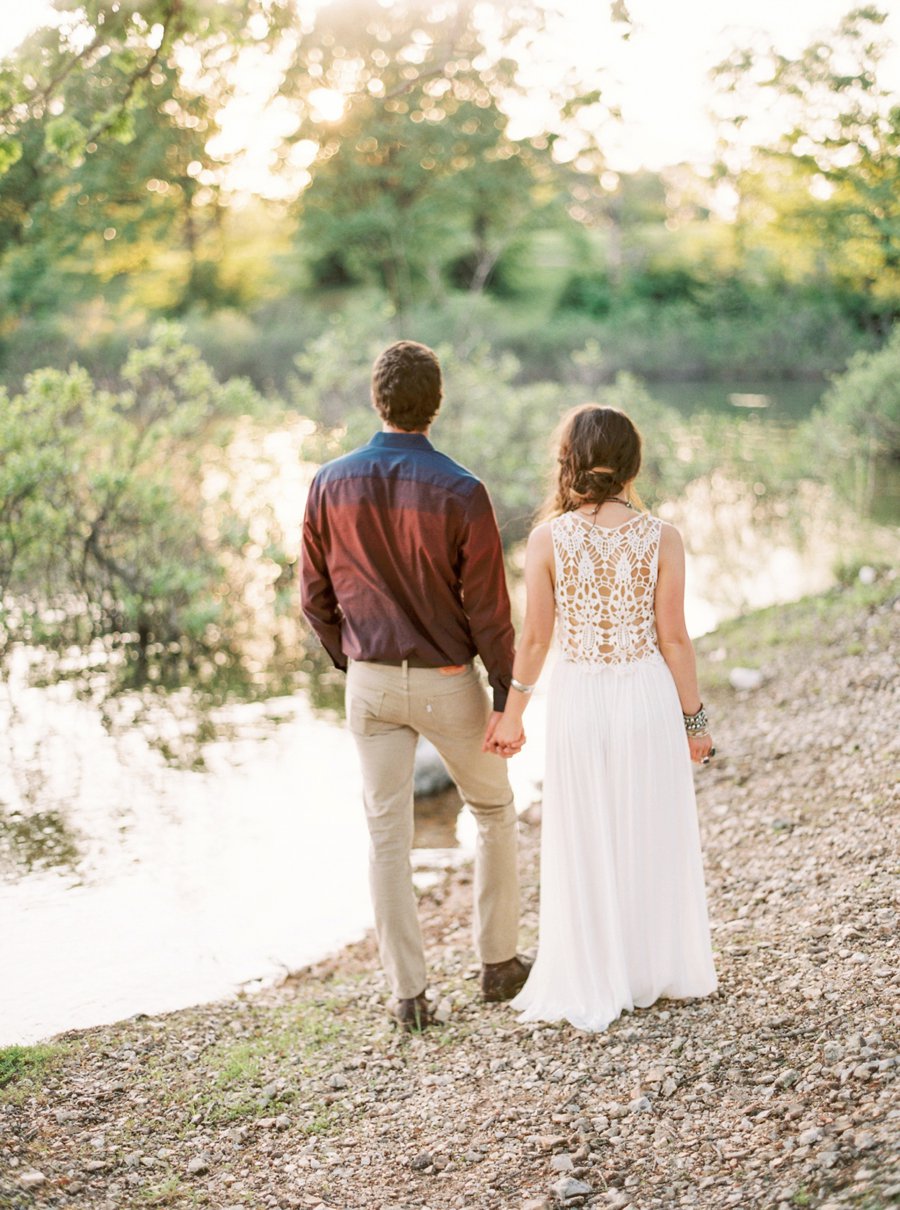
{"type": "Point", "coordinates": [658, 77]}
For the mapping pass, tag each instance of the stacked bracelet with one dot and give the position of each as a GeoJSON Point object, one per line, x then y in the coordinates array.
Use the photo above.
{"type": "Point", "coordinates": [696, 724]}
{"type": "Point", "coordinates": [521, 688]}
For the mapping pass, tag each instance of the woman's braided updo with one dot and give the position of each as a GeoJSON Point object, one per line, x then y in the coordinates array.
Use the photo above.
{"type": "Point", "coordinates": [599, 451]}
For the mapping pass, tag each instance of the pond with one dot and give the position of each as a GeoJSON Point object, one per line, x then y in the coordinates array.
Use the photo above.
{"type": "Point", "coordinates": [134, 885]}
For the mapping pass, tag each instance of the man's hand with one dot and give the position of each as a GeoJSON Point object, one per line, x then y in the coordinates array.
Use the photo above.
{"type": "Point", "coordinates": [503, 737]}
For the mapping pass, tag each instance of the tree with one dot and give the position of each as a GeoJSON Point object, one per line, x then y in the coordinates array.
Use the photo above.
{"type": "Point", "coordinates": [834, 172]}
{"type": "Point", "coordinates": [65, 232]}
{"type": "Point", "coordinates": [103, 521]}
{"type": "Point", "coordinates": [104, 123]}
{"type": "Point", "coordinates": [415, 167]}
{"type": "Point", "coordinates": [117, 48]}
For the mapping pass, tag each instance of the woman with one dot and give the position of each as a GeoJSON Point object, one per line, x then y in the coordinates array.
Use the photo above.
{"type": "Point", "coordinates": [623, 907]}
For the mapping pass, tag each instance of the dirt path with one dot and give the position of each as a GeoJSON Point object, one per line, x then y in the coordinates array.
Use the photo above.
{"type": "Point", "coordinates": [780, 1092]}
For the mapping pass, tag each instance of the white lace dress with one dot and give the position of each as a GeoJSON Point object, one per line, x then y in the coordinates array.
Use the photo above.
{"type": "Point", "coordinates": [623, 905]}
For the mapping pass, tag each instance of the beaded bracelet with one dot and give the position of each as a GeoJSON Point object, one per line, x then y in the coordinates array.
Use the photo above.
{"type": "Point", "coordinates": [696, 724]}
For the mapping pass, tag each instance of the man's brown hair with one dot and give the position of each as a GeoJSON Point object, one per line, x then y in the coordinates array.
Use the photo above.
{"type": "Point", "coordinates": [406, 385]}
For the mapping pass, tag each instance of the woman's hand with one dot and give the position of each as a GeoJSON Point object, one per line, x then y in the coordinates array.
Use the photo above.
{"type": "Point", "coordinates": [702, 749]}
{"type": "Point", "coordinates": [505, 735]}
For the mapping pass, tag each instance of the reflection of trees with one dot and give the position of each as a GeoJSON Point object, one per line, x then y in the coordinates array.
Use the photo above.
{"type": "Point", "coordinates": [37, 839]}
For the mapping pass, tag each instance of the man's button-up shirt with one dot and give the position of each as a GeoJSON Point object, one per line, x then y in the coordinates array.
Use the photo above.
{"type": "Point", "coordinates": [402, 559]}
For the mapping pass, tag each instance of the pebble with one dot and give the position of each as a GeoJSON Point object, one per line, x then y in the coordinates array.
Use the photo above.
{"type": "Point", "coordinates": [31, 1178]}
{"type": "Point", "coordinates": [568, 1187]}
{"type": "Point", "coordinates": [198, 1165]}
{"type": "Point", "coordinates": [640, 1105]}
{"type": "Point", "coordinates": [787, 1078]}
{"type": "Point", "coordinates": [562, 1162]}
{"type": "Point", "coordinates": [338, 1080]}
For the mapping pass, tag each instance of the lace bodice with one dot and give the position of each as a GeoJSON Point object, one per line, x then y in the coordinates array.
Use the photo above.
{"type": "Point", "coordinates": [605, 585]}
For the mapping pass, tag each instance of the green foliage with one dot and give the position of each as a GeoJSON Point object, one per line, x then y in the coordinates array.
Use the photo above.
{"type": "Point", "coordinates": [589, 292]}
{"type": "Point", "coordinates": [103, 149]}
{"type": "Point", "coordinates": [856, 431]}
{"type": "Point", "coordinates": [26, 1062]}
{"type": "Point", "coordinates": [119, 54]}
{"type": "Point", "coordinates": [419, 175]}
{"type": "Point", "coordinates": [863, 404]}
{"type": "Point", "coordinates": [104, 528]}
{"type": "Point", "coordinates": [832, 179]}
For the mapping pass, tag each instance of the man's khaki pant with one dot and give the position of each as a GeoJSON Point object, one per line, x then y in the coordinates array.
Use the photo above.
{"type": "Point", "coordinates": [387, 709]}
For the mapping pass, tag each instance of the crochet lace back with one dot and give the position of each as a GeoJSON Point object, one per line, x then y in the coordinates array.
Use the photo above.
{"type": "Point", "coordinates": [605, 585]}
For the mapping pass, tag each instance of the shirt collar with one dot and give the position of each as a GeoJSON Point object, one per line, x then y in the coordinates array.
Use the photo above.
{"type": "Point", "coordinates": [401, 441]}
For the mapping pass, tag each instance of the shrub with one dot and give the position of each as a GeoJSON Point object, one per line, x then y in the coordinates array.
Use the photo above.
{"type": "Point", "coordinates": [104, 528]}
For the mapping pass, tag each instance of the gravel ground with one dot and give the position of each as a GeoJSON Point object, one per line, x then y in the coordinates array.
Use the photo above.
{"type": "Point", "coordinates": [779, 1092]}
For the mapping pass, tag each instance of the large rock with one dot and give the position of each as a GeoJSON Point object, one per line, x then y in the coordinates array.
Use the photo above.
{"type": "Point", "coordinates": [431, 776]}
{"type": "Point", "coordinates": [745, 679]}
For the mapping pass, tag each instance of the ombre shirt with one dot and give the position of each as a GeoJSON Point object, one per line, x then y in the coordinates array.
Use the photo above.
{"type": "Point", "coordinates": [402, 560]}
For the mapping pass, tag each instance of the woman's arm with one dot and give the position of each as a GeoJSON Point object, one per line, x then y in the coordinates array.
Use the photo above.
{"type": "Point", "coordinates": [537, 631]}
{"type": "Point", "coordinates": [671, 631]}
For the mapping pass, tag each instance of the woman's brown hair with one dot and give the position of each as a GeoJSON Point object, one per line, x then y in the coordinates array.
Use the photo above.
{"type": "Point", "coordinates": [599, 451]}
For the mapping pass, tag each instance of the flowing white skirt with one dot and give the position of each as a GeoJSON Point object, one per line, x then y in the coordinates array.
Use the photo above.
{"type": "Point", "coordinates": [623, 916]}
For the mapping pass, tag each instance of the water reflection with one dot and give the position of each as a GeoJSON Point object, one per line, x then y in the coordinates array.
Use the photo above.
{"type": "Point", "coordinates": [436, 819]}
{"type": "Point", "coordinates": [43, 839]}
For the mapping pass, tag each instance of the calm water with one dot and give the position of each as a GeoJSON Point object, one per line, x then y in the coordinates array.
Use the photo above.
{"type": "Point", "coordinates": [134, 886]}
{"type": "Point", "coordinates": [783, 401]}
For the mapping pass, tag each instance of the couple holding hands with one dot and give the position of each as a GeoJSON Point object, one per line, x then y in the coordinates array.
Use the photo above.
{"type": "Point", "coordinates": [402, 579]}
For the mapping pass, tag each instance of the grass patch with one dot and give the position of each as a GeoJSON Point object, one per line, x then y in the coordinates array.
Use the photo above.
{"type": "Point", "coordinates": [163, 1193]}
{"type": "Point", "coordinates": [292, 1046]}
{"type": "Point", "coordinates": [753, 640]}
{"type": "Point", "coordinates": [24, 1066]}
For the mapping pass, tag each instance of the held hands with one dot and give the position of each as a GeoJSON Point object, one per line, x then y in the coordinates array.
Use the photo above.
{"type": "Point", "coordinates": [504, 736]}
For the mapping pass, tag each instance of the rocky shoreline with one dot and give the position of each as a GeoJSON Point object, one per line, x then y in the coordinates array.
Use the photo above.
{"type": "Point", "coordinates": [779, 1092]}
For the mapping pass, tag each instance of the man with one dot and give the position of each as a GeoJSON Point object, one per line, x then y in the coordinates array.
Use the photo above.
{"type": "Point", "coordinates": [403, 582]}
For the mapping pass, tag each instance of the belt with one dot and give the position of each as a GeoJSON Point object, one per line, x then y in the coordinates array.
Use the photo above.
{"type": "Point", "coordinates": [410, 662]}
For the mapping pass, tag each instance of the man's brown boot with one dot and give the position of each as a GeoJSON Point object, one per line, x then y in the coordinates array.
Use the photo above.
{"type": "Point", "coordinates": [414, 1014]}
{"type": "Point", "coordinates": [503, 980]}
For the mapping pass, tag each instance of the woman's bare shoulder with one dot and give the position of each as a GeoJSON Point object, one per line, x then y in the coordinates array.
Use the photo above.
{"type": "Point", "coordinates": [540, 541]}
{"type": "Point", "coordinates": [670, 541]}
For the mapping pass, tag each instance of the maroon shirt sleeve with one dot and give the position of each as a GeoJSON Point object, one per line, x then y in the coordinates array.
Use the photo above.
{"type": "Point", "coordinates": [317, 595]}
{"type": "Point", "coordinates": [484, 596]}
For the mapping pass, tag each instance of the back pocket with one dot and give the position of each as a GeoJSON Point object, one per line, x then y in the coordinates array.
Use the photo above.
{"type": "Point", "coordinates": [463, 712]}
{"type": "Point", "coordinates": [364, 707]}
